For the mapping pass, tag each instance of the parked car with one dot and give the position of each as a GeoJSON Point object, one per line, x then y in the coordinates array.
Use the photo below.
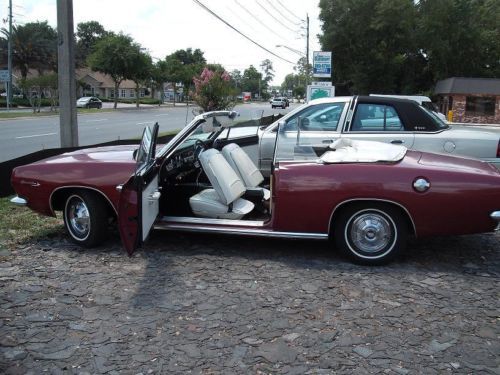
{"type": "Point", "coordinates": [424, 101]}
{"type": "Point", "coordinates": [89, 102]}
{"type": "Point", "coordinates": [279, 102]}
{"type": "Point", "coordinates": [384, 119]}
{"type": "Point", "coordinates": [368, 196]}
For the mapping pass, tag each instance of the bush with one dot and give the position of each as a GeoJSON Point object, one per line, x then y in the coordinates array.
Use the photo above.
{"type": "Point", "coordinates": [3, 104]}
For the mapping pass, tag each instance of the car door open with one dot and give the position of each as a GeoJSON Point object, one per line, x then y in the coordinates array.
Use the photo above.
{"type": "Point", "coordinates": [138, 206]}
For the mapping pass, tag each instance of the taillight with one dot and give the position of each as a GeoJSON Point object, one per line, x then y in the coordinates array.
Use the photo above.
{"type": "Point", "coordinates": [498, 149]}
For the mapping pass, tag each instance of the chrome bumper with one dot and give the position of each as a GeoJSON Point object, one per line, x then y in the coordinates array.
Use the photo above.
{"type": "Point", "coordinates": [495, 215]}
{"type": "Point", "coordinates": [19, 201]}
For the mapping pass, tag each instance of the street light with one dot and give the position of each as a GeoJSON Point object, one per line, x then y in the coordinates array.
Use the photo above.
{"type": "Point", "coordinates": [292, 49]}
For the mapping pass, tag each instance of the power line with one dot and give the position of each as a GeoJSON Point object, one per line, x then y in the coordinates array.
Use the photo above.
{"type": "Point", "coordinates": [284, 7]}
{"type": "Point", "coordinates": [258, 20]}
{"type": "Point", "coordinates": [272, 15]}
{"type": "Point", "coordinates": [239, 32]}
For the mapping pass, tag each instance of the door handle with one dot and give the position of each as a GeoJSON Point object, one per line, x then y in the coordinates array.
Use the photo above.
{"type": "Point", "coordinates": [397, 142]}
{"type": "Point", "coordinates": [155, 196]}
{"type": "Point", "coordinates": [327, 141]}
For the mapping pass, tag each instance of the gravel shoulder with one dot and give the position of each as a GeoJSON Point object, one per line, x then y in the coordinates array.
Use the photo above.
{"type": "Point", "coordinates": [212, 304]}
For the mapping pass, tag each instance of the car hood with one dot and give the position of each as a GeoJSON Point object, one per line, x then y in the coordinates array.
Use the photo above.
{"type": "Point", "coordinates": [108, 154]}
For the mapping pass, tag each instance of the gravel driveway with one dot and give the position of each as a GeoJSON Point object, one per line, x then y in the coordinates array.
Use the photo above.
{"type": "Point", "coordinates": [210, 305]}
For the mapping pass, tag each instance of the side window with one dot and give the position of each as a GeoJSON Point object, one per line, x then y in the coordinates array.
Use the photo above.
{"type": "Point", "coordinates": [321, 117]}
{"type": "Point", "coordinates": [376, 118]}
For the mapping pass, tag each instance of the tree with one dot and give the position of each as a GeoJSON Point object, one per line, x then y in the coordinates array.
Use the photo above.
{"type": "Point", "coordinates": [36, 87]}
{"type": "Point", "coordinates": [371, 58]}
{"type": "Point", "coordinates": [251, 79]}
{"type": "Point", "coordinates": [213, 90]}
{"type": "Point", "coordinates": [236, 78]}
{"type": "Point", "coordinates": [34, 46]}
{"type": "Point", "coordinates": [114, 55]}
{"type": "Point", "coordinates": [141, 66]}
{"type": "Point", "coordinates": [182, 65]}
{"type": "Point", "coordinates": [88, 34]}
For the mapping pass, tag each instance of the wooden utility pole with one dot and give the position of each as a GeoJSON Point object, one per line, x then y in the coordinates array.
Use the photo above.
{"type": "Point", "coordinates": [68, 124]}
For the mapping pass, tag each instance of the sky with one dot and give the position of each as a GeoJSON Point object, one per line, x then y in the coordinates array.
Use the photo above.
{"type": "Point", "coordinates": [164, 26]}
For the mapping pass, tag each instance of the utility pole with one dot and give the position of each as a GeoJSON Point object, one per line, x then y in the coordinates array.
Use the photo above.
{"type": "Point", "coordinates": [9, 58]}
{"type": "Point", "coordinates": [307, 49]}
{"type": "Point", "coordinates": [68, 124]}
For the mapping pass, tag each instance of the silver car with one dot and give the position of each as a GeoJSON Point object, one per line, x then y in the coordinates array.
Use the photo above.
{"type": "Point", "coordinates": [391, 120]}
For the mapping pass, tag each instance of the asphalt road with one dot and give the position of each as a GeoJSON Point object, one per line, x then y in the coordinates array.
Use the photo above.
{"type": "Point", "coordinates": [22, 136]}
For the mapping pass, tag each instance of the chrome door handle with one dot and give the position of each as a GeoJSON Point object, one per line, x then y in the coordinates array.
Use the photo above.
{"type": "Point", "coordinates": [155, 196]}
{"type": "Point", "coordinates": [397, 142]}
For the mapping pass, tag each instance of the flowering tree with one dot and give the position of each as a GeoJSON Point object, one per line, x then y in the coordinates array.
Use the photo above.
{"type": "Point", "coordinates": [213, 90]}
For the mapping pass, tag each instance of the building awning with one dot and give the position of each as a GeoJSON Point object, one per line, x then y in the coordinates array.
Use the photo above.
{"type": "Point", "coordinates": [468, 86]}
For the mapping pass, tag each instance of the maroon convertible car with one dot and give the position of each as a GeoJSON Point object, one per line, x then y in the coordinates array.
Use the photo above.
{"type": "Point", "coordinates": [367, 196]}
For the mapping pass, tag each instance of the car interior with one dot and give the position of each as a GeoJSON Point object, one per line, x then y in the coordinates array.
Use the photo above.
{"type": "Point", "coordinates": [207, 178]}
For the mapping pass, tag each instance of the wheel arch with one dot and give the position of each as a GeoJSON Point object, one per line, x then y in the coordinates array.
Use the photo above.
{"type": "Point", "coordinates": [59, 196]}
{"type": "Point", "coordinates": [351, 202]}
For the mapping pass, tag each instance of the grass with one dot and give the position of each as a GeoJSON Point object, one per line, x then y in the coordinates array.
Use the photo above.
{"type": "Point", "coordinates": [13, 115]}
{"type": "Point", "coordinates": [20, 225]}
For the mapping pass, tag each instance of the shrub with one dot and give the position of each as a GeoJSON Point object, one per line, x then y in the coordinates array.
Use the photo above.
{"type": "Point", "coordinates": [213, 90]}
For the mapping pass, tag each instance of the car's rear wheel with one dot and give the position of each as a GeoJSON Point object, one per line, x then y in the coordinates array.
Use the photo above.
{"type": "Point", "coordinates": [371, 234]}
{"type": "Point", "coordinates": [85, 218]}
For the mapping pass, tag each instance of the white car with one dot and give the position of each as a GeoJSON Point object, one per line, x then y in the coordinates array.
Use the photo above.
{"type": "Point", "coordinates": [385, 119]}
{"type": "Point", "coordinates": [278, 102]}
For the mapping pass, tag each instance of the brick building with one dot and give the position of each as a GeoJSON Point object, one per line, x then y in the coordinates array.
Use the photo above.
{"type": "Point", "coordinates": [470, 100]}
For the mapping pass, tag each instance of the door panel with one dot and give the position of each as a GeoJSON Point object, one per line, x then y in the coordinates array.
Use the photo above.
{"type": "Point", "coordinates": [150, 206]}
{"type": "Point", "coordinates": [128, 216]}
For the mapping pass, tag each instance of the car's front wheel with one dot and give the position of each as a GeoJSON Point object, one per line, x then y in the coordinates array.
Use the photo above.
{"type": "Point", "coordinates": [85, 218]}
{"type": "Point", "coordinates": [371, 234]}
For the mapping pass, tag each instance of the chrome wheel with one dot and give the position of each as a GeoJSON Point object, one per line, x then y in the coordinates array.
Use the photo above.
{"type": "Point", "coordinates": [370, 232]}
{"type": "Point", "coordinates": [78, 217]}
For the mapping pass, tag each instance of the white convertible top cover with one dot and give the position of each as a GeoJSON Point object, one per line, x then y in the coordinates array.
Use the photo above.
{"type": "Point", "coordinates": [346, 150]}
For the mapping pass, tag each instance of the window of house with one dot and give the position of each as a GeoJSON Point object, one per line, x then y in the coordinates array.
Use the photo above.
{"type": "Point", "coordinates": [142, 93]}
{"type": "Point", "coordinates": [480, 105]}
{"type": "Point", "coordinates": [124, 93]}
{"type": "Point", "coordinates": [112, 93]}
{"type": "Point", "coordinates": [131, 94]}
{"type": "Point", "coordinates": [376, 117]}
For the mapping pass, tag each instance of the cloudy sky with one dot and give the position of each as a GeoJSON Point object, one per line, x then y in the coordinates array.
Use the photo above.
{"type": "Point", "coordinates": [163, 26]}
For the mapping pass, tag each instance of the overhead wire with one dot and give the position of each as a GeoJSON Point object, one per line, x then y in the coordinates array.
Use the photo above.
{"type": "Point", "coordinates": [274, 17]}
{"type": "Point", "coordinates": [284, 7]}
{"type": "Point", "coordinates": [258, 19]}
{"type": "Point", "coordinates": [199, 3]}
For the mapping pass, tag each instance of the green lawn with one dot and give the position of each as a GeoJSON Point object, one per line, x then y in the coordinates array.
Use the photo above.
{"type": "Point", "coordinates": [13, 115]}
{"type": "Point", "coordinates": [20, 225]}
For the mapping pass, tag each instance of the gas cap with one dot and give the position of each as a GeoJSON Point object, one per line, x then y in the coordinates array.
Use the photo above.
{"type": "Point", "coordinates": [449, 146]}
{"type": "Point", "coordinates": [421, 184]}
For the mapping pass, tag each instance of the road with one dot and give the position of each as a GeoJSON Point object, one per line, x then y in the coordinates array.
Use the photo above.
{"type": "Point", "coordinates": [22, 136]}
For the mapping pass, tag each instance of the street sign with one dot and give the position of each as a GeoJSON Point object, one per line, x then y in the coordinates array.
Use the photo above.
{"type": "Point", "coordinates": [321, 91]}
{"type": "Point", "coordinates": [322, 84]}
{"type": "Point", "coordinates": [4, 75]}
{"type": "Point", "coordinates": [322, 64]}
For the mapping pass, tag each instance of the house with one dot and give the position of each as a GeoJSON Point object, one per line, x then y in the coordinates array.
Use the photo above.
{"type": "Point", "coordinates": [102, 85]}
{"type": "Point", "coordinates": [470, 100]}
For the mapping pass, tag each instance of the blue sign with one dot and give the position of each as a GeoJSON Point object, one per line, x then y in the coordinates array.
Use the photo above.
{"type": "Point", "coordinates": [322, 64]}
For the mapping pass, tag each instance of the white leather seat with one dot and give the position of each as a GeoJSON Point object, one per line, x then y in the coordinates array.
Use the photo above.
{"type": "Point", "coordinates": [245, 168]}
{"type": "Point", "coordinates": [223, 201]}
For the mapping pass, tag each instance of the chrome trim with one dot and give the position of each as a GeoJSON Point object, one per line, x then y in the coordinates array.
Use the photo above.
{"type": "Point", "coordinates": [80, 187]}
{"type": "Point", "coordinates": [19, 201]}
{"type": "Point", "coordinates": [376, 200]}
{"type": "Point", "coordinates": [242, 231]}
{"type": "Point", "coordinates": [199, 220]}
{"type": "Point", "coordinates": [495, 215]}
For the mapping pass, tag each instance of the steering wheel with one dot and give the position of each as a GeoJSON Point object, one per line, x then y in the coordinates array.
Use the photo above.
{"type": "Point", "coordinates": [199, 147]}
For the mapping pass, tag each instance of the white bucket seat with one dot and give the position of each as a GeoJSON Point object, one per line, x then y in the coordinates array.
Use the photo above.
{"type": "Point", "coordinates": [245, 168]}
{"type": "Point", "coordinates": [223, 201]}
